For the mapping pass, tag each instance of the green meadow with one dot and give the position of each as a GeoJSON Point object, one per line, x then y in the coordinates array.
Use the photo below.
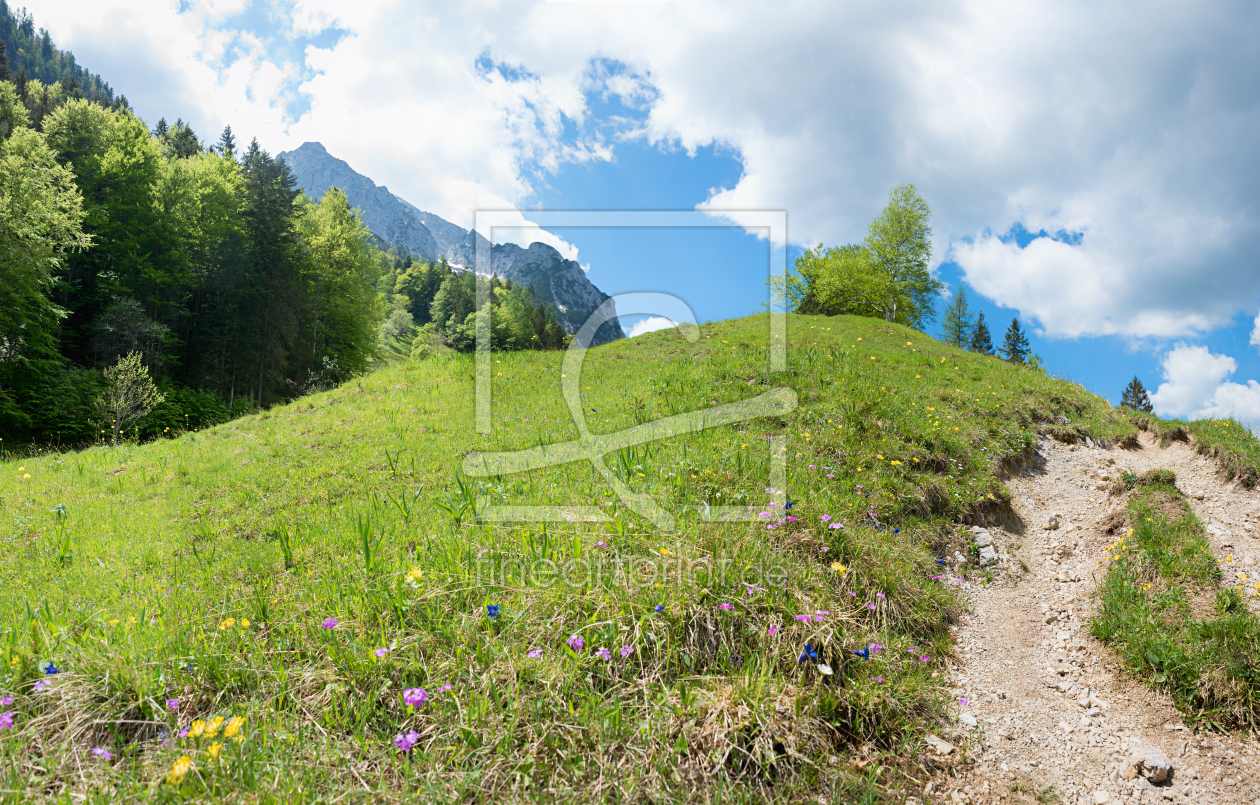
{"type": "Point", "coordinates": [321, 579]}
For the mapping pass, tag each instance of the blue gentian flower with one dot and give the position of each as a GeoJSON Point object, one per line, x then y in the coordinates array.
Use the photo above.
{"type": "Point", "coordinates": [51, 669]}
{"type": "Point", "coordinates": [864, 653]}
{"type": "Point", "coordinates": [660, 607]}
{"type": "Point", "coordinates": [807, 653]}
{"type": "Point", "coordinates": [492, 610]}
{"type": "Point", "coordinates": [787, 505]}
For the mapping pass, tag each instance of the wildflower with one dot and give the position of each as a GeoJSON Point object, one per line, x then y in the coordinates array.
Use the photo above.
{"type": "Point", "coordinates": [173, 704]}
{"type": "Point", "coordinates": [807, 653]}
{"type": "Point", "coordinates": [6, 720]}
{"type": "Point", "coordinates": [183, 733]}
{"type": "Point", "coordinates": [864, 653]}
{"type": "Point", "coordinates": [179, 768]}
{"type": "Point", "coordinates": [445, 688]}
{"type": "Point", "coordinates": [825, 549]}
{"type": "Point", "coordinates": [839, 568]}
{"type": "Point", "coordinates": [852, 593]}
{"type": "Point", "coordinates": [829, 475]}
{"type": "Point", "coordinates": [791, 519]}
{"type": "Point", "coordinates": [879, 595]}
{"type": "Point", "coordinates": [51, 669]}
{"type": "Point", "coordinates": [836, 525]}
{"type": "Point", "coordinates": [773, 630]}
{"type": "Point", "coordinates": [40, 685]}
{"type": "Point", "coordinates": [214, 749]}
{"type": "Point", "coordinates": [212, 728]}
{"type": "Point", "coordinates": [603, 653]}
{"type": "Point", "coordinates": [764, 514]}
{"type": "Point", "coordinates": [227, 624]}
{"type": "Point", "coordinates": [752, 588]}
{"type": "Point", "coordinates": [381, 652]}
{"type": "Point", "coordinates": [233, 728]}
{"type": "Point", "coordinates": [824, 517]}
{"type": "Point", "coordinates": [404, 742]}
{"type": "Point", "coordinates": [244, 623]}
{"type": "Point", "coordinates": [131, 619]}
{"type": "Point", "coordinates": [197, 728]}
{"type": "Point", "coordinates": [964, 701]}
{"type": "Point", "coordinates": [725, 606]}
{"type": "Point", "coordinates": [601, 544]}
{"type": "Point", "coordinates": [805, 618]}
{"type": "Point", "coordinates": [329, 623]}
{"type": "Point", "coordinates": [535, 654]}
{"type": "Point", "coordinates": [113, 622]}
{"type": "Point", "coordinates": [6, 700]}
{"type": "Point", "coordinates": [923, 659]}
{"type": "Point", "coordinates": [492, 610]}
{"type": "Point", "coordinates": [413, 576]}
{"type": "Point", "coordinates": [102, 752]}
{"type": "Point", "coordinates": [660, 607]}
{"type": "Point", "coordinates": [870, 606]}
{"type": "Point", "coordinates": [414, 697]}
{"type": "Point", "coordinates": [575, 642]}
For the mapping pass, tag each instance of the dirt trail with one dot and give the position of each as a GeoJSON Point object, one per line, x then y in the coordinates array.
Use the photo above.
{"type": "Point", "coordinates": [1028, 631]}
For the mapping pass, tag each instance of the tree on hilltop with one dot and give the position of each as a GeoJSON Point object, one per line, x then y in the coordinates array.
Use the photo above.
{"type": "Point", "coordinates": [1015, 347]}
{"type": "Point", "coordinates": [958, 324]}
{"type": "Point", "coordinates": [981, 341]}
{"type": "Point", "coordinates": [1135, 397]}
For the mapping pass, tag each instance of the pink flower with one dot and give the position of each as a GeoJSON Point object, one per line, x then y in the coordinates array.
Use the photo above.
{"type": "Point", "coordinates": [791, 519]}
{"type": "Point", "coordinates": [405, 742]}
{"type": "Point", "coordinates": [964, 701]}
{"type": "Point", "coordinates": [836, 525]}
{"type": "Point", "coordinates": [603, 653]}
{"type": "Point", "coordinates": [829, 475]}
{"type": "Point", "coordinates": [805, 618]}
{"type": "Point", "coordinates": [773, 630]}
{"type": "Point", "coordinates": [725, 606]}
{"type": "Point", "coordinates": [825, 549]}
{"type": "Point", "coordinates": [445, 688]}
{"type": "Point", "coordinates": [870, 606]}
{"type": "Point", "coordinates": [102, 752]}
{"type": "Point", "coordinates": [923, 659]}
{"type": "Point", "coordinates": [414, 697]}
{"type": "Point", "coordinates": [329, 623]}
{"type": "Point", "coordinates": [601, 545]}
{"type": "Point", "coordinates": [812, 467]}
{"type": "Point", "coordinates": [7, 700]}
{"type": "Point", "coordinates": [381, 652]}
{"type": "Point", "coordinates": [824, 517]}
{"type": "Point", "coordinates": [626, 651]}
{"type": "Point", "coordinates": [6, 720]}
{"type": "Point", "coordinates": [535, 654]}
{"type": "Point", "coordinates": [879, 595]}
{"type": "Point", "coordinates": [576, 642]}
{"type": "Point", "coordinates": [171, 703]}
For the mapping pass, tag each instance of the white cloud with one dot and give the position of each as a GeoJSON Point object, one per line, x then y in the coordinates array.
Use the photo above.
{"type": "Point", "coordinates": [1135, 132]}
{"type": "Point", "coordinates": [1196, 387]}
{"type": "Point", "coordinates": [650, 325]}
{"type": "Point", "coordinates": [1255, 332]}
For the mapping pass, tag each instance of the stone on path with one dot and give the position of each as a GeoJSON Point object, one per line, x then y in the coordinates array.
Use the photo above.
{"type": "Point", "coordinates": [1151, 764]}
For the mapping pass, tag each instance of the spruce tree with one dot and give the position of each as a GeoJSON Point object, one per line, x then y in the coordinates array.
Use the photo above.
{"type": "Point", "coordinates": [1135, 397]}
{"type": "Point", "coordinates": [159, 130]}
{"type": "Point", "coordinates": [958, 323]}
{"type": "Point", "coordinates": [227, 143]}
{"type": "Point", "coordinates": [980, 340]}
{"type": "Point", "coordinates": [4, 62]}
{"type": "Point", "coordinates": [1015, 347]}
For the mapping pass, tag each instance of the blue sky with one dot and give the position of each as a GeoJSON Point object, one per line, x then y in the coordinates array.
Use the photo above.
{"type": "Point", "coordinates": [1091, 171]}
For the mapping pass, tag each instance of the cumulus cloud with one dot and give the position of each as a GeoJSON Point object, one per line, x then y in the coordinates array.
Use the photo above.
{"type": "Point", "coordinates": [650, 325]}
{"type": "Point", "coordinates": [1196, 386]}
{"type": "Point", "coordinates": [1255, 332]}
{"type": "Point", "coordinates": [1132, 134]}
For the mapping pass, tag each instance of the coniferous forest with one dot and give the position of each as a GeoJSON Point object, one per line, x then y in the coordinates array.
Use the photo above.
{"type": "Point", "coordinates": [235, 289]}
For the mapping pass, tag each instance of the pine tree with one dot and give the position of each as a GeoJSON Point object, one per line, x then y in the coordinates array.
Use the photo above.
{"type": "Point", "coordinates": [958, 322]}
{"type": "Point", "coordinates": [1015, 347]}
{"type": "Point", "coordinates": [980, 340]}
{"type": "Point", "coordinates": [159, 130]}
{"type": "Point", "coordinates": [1135, 397]}
{"type": "Point", "coordinates": [4, 62]}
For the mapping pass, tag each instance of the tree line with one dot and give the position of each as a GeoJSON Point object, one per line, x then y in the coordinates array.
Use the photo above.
{"type": "Point", "coordinates": [46, 73]}
{"type": "Point", "coordinates": [235, 290]}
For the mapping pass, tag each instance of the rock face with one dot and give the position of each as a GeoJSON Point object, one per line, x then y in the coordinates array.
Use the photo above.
{"type": "Point", "coordinates": [396, 222]}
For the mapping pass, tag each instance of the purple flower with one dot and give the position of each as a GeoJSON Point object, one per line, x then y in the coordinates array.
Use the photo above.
{"type": "Point", "coordinates": [173, 704]}
{"type": "Point", "coordinates": [626, 651]}
{"type": "Point", "coordinates": [824, 517]}
{"type": "Point", "coordinates": [825, 549]}
{"type": "Point", "coordinates": [836, 525]}
{"type": "Point", "coordinates": [381, 652]}
{"type": "Point", "coordinates": [879, 595]}
{"type": "Point", "coordinates": [870, 606]}
{"type": "Point", "coordinates": [764, 514]}
{"type": "Point", "coordinates": [603, 653]}
{"type": "Point", "coordinates": [535, 654]}
{"type": "Point", "coordinates": [414, 697]}
{"type": "Point", "coordinates": [725, 606]}
{"type": "Point", "coordinates": [405, 742]}
{"type": "Point", "coordinates": [813, 467]}
{"type": "Point", "coordinates": [183, 733]}
{"type": "Point", "coordinates": [805, 618]}
{"type": "Point", "coordinates": [791, 519]}
{"type": "Point", "coordinates": [6, 720]}
{"type": "Point", "coordinates": [772, 505]}
{"type": "Point", "coordinates": [445, 688]}
{"type": "Point", "coordinates": [601, 545]}
{"type": "Point", "coordinates": [102, 752]}
{"type": "Point", "coordinates": [773, 630]}
{"type": "Point", "coordinates": [964, 701]}
{"type": "Point", "coordinates": [329, 623]}
{"type": "Point", "coordinates": [829, 475]}
{"type": "Point", "coordinates": [923, 659]}
{"type": "Point", "coordinates": [859, 486]}
{"type": "Point", "coordinates": [576, 642]}
{"type": "Point", "coordinates": [40, 685]}
{"type": "Point", "coordinates": [852, 593]}
{"type": "Point", "coordinates": [7, 700]}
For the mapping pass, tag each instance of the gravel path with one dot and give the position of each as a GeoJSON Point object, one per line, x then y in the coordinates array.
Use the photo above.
{"type": "Point", "coordinates": [1029, 665]}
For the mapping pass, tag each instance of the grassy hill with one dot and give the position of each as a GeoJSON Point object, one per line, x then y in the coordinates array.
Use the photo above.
{"type": "Point", "coordinates": [308, 568]}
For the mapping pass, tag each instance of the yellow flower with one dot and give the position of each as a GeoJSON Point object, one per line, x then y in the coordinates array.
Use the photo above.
{"type": "Point", "coordinates": [233, 728]}
{"type": "Point", "coordinates": [178, 769]}
{"type": "Point", "coordinates": [132, 619]}
{"type": "Point", "coordinates": [214, 749]}
{"type": "Point", "coordinates": [27, 475]}
{"type": "Point", "coordinates": [212, 729]}
{"type": "Point", "coordinates": [664, 552]}
{"type": "Point", "coordinates": [414, 575]}
{"type": "Point", "coordinates": [878, 456]}
{"type": "Point", "coordinates": [227, 624]}
{"type": "Point", "coordinates": [896, 462]}
{"type": "Point", "coordinates": [244, 623]}
{"type": "Point", "coordinates": [197, 729]}
{"type": "Point", "coordinates": [113, 622]}
{"type": "Point", "coordinates": [839, 568]}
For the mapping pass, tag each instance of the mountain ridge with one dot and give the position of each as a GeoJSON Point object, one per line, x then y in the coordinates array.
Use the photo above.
{"type": "Point", "coordinates": [399, 223]}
